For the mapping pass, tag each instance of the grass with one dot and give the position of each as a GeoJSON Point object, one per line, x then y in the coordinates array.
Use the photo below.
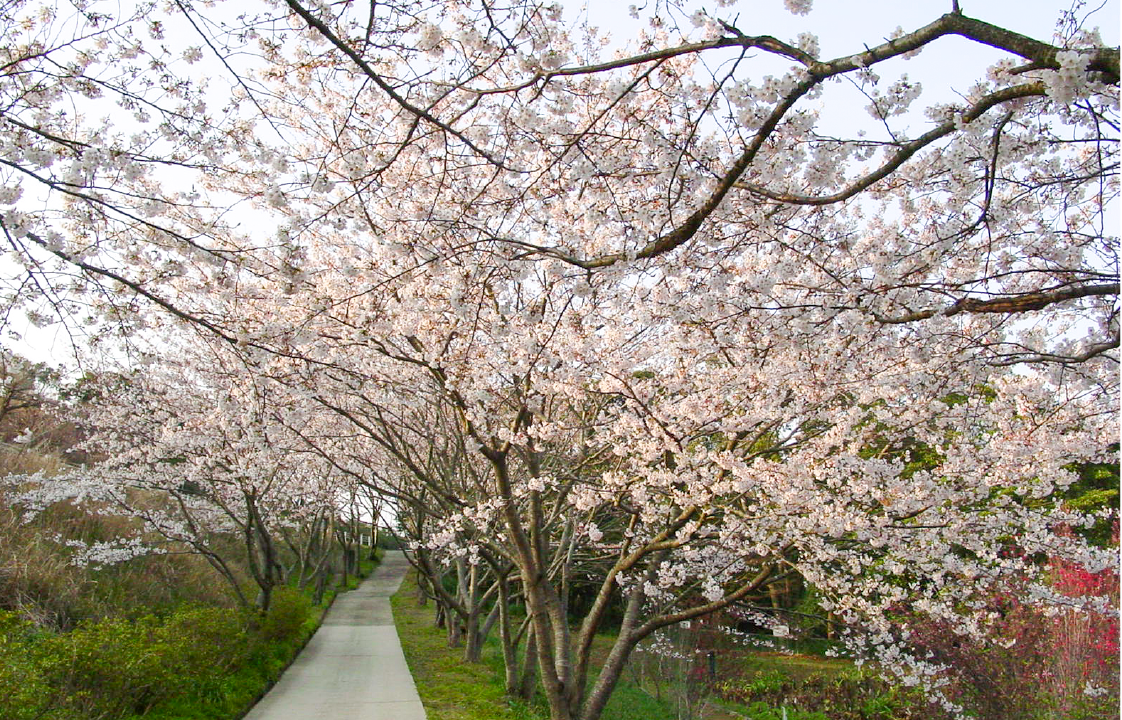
{"type": "Point", "coordinates": [450, 688]}
{"type": "Point", "coordinates": [799, 667]}
{"type": "Point", "coordinates": [815, 688]}
{"type": "Point", "coordinates": [158, 637]}
{"type": "Point", "coordinates": [241, 689]}
{"type": "Point", "coordinates": [630, 702]}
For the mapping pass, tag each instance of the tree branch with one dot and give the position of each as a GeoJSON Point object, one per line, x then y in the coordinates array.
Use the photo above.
{"type": "Point", "coordinates": [1026, 302]}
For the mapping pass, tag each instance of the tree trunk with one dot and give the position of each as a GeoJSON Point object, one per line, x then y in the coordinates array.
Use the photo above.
{"type": "Point", "coordinates": [455, 628]}
{"type": "Point", "coordinates": [507, 639]}
{"type": "Point", "coordinates": [321, 583]}
{"type": "Point", "coordinates": [473, 646]}
{"type": "Point", "coordinates": [610, 673]}
{"type": "Point", "coordinates": [529, 680]}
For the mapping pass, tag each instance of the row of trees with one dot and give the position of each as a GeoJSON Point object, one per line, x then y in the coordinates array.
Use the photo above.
{"type": "Point", "coordinates": [639, 332]}
{"type": "Point", "coordinates": [185, 469]}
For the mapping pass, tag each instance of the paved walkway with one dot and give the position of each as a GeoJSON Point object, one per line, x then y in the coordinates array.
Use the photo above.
{"type": "Point", "coordinates": [353, 668]}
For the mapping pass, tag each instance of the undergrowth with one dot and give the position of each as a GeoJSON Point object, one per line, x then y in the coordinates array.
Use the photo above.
{"type": "Point", "coordinates": [193, 662]}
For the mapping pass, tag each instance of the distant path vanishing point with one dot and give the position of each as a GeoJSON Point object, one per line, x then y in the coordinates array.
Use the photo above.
{"type": "Point", "coordinates": [353, 667]}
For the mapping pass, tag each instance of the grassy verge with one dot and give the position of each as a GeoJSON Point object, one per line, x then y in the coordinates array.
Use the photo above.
{"type": "Point", "coordinates": [286, 631]}
{"type": "Point", "coordinates": [815, 688]}
{"type": "Point", "coordinates": [452, 689]}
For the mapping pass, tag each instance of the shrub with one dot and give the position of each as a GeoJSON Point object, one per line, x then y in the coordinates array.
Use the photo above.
{"type": "Point", "coordinates": [115, 667]}
{"type": "Point", "coordinates": [203, 645]}
{"type": "Point", "coordinates": [111, 667]}
{"type": "Point", "coordinates": [1037, 664]}
{"type": "Point", "coordinates": [387, 541]}
{"type": "Point", "coordinates": [762, 711]}
{"type": "Point", "coordinates": [24, 691]}
{"type": "Point", "coordinates": [856, 696]}
{"type": "Point", "coordinates": [288, 611]}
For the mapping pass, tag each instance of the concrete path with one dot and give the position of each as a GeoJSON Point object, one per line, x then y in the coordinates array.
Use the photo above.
{"type": "Point", "coordinates": [353, 668]}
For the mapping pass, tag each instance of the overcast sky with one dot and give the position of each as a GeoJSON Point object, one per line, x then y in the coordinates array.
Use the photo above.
{"type": "Point", "coordinates": [843, 27]}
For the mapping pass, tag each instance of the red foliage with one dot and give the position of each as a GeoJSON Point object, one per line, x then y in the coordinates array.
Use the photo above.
{"type": "Point", "coordinates": [1065, 661]}
{"type": "Point", "coordinates": [1102, 632]}
{"type": "Point", "coordinates": [1085, 645]}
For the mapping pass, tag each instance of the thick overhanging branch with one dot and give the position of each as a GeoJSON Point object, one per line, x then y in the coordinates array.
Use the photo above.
{"type": "Point", "coordinates": [904, 153]}
{"type": "Point", "coordinates": [1026, 302]}
{"type": "Point", "coordinates": [682, 234]}
{"type": "Point", "coordinates": [1103, 60]}
{"type": "Point", "coordinates": [1094, 350]}
{"type": "Point", "coordinates": [1042, 55]}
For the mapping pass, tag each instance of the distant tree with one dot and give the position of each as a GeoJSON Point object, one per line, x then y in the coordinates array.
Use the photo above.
{"type": "Point", "coordinates": [22, 386]}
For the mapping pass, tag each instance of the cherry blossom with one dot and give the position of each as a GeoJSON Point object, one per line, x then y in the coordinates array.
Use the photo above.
{"type": "Point", "coordinates": [634, 320]}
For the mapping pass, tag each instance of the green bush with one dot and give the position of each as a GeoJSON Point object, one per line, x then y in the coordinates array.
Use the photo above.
{"type": "Point", "coordinates": [203, 645]}
{"type": "Point", "coordinates": [857, 696]}
{"type": "Point", "coordinates": [764, 682]}
{"type": "Point", "coordinates": [199, 662]}
{"type": "Point", "coordinates": [762, 711]}
{"type": "Point", "coordinates": [116, 667]}
{"type": "Point", "coordinates": [24, 691]}
{"type": "Point", "coordinates": [110, 667]}
{"type": "Point", "coordinates": [386, 541]}
{"type": "Point", "coordinates": [288, 611]}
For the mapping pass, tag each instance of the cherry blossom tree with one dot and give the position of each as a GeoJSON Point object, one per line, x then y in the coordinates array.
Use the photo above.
{"type": "Point", "coordinates": [780, 331]}
{"type": "Point", "coordinates": [648, 318]}
{"type": "Point", "coordinates": [202, 464]}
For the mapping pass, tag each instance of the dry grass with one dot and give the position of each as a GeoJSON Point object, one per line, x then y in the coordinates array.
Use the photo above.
{"type": "Point", "coordinates": [17, 460]}
{"type": "Point", "coordinates": [39, 581]}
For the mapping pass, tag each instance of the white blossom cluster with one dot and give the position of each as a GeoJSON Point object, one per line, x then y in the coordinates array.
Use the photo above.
{"type": "Point", "coordinates": [1070, 81]}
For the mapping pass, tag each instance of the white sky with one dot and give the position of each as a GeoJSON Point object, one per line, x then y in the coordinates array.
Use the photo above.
{"type": "Point", "coordinates": [843, 26]}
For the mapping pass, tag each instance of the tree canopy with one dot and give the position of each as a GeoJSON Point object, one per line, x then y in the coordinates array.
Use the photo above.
{"type": "Point", "coordinates": [641, 316]}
